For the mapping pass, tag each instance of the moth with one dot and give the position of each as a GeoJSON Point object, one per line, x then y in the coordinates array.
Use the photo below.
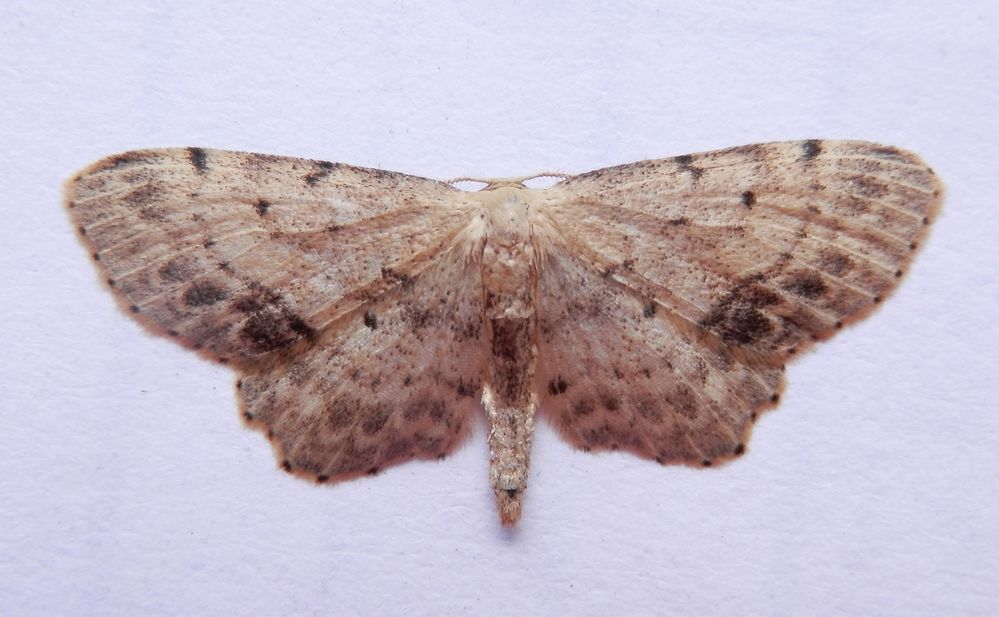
{"type": "Point", "coordinates": [373, 315]}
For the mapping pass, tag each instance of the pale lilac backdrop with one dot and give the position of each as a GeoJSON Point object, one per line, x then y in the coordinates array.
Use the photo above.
{"type": "Point", "coordinates": [129, 486]}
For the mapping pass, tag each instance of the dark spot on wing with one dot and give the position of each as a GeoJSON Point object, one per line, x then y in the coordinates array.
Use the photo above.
{"type": "Point", "coordinates": [810, 149]}
{"type": "Point", "coordinates": [370, 320]}
{"type": "Point", "coordinates": [199, 159]}
{"type": "Point", "coordinates": [866, 186]}
{"type": "Point", "coordinates": [389, 273]}
{"type": "Point", "coordinates": [339, 414]}
{"type": "Point", "coordinates": [262, 206]}
{"type": "Point", "coordinates": [322, 169]}
{"type": "Point", "coordinates": [179, 269]}
{"type": "Point", "coordinates": [204, 293]}
{"type": "Point", "coordinates": [649, 309]}
{"type": "Point", "coordinates": [806, 284]}
{"type": "Point", "coordinates": [744, 325]}
{"type": "Point", "coordinates": [583, 407]}
{"type": "Point", "coordinates": [151, 213]}
{"type": "Point", "coordinates": [609, 401]}
{"type": "Point", "coordinates": [890, 153]}
{"type": "Point", "coordinates": [737, 317]}
{"type": "Point", "coordinates": [415, 409]}
{"type": "Point", "coordinates": [748, 199]}
{"type": "Point", "coordinates": [465, 389]}
{"type": "Point", "coordinates": [685, 401]}
{"type": "Point", "coordinates": [375, 421]}
{"type": "Point", "coordinates": [143, 196]}
{"type": "Point", "coordinates": [685, 161]}
{"type": "Point", "coordinates": [436, 410]}
{"type": "Point", "coordinates": [598, 437]}
{"type": "Point", "coordinates": [557, 386]}
{"type": "Point", "coordinates": [270, 325]}
{"type": "Point", "coordinates": [836, 263]}
{"type": "Point", "coordinates": [298, 326]}
{"type": "Point", "coordinates": [751, 151]}
{"type": "Point", "coordinates": [266, 332]}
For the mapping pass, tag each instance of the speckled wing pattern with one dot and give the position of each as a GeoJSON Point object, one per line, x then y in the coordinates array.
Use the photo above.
{"type": "Point", "coordinates": [372, 315]}
{"type": "Point", "coordinates": [691, 281]}
{"type": "Point", "coordinates": [244, 255]}
{"type": "Point", "coordinates": [338, 292]}
{"type": "Point", "coordinates": [399, 381]}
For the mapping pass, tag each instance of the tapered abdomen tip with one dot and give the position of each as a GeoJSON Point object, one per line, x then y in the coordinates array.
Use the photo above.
{"type": "Point", "coordinates": [508, 502]}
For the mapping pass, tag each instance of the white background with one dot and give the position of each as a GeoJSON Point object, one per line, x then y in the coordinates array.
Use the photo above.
{"type": "Point", "coordinates": [128, 485]}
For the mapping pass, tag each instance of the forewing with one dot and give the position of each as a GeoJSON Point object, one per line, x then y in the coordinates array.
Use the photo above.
{"type": "Point", "coordinates": [616, 372]}
{"type": "Point", "coordinates": [393, 382]}
{"type": "Point", "coordinates": [765, 246]}
{"type": "Point", "coordinates": [244, 255]}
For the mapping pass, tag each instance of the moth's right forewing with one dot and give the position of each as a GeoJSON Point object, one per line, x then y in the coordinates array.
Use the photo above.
{"type": "Point", "coordinates": [766, 246]}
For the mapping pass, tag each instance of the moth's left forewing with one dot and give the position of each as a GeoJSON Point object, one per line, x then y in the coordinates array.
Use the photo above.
{"type": "Point", "coordinates": [243, 256]}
